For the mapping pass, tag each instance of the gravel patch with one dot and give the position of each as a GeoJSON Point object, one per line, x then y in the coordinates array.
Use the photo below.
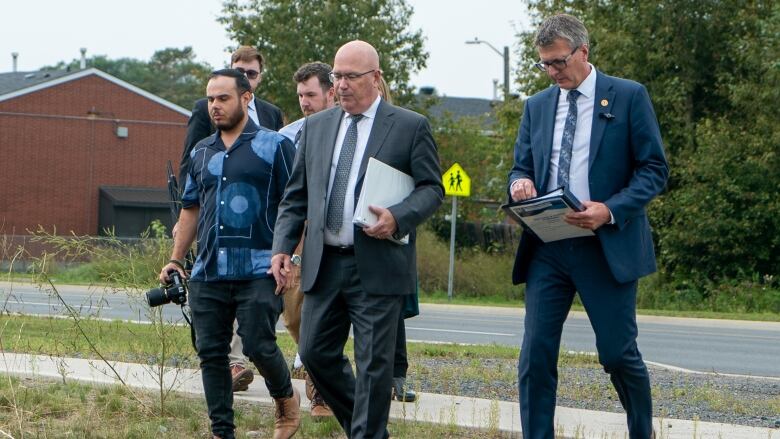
{"type": "Point", "coordinates": [711, 398]}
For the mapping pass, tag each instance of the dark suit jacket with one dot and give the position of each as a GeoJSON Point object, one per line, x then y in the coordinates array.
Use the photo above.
{"type": "Point", "coordinates": [400, 138]}
{"type": "Point", "coordinates": [627, 168]}
{"type": "Point", "coordinates": [199, 127]}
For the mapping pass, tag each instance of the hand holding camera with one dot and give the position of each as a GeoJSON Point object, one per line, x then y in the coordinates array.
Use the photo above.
{"type": "Point", "coordinates": [173, 287]}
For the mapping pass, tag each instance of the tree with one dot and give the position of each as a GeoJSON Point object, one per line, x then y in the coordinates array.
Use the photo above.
{"type": "Point", "coordinates": [292, 32]}
{"type": "Point", "coordinates": [173, 74]}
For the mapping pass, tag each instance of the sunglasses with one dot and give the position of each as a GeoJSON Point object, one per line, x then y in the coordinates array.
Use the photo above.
{"type": "Point", "coordinates": [250, 74]}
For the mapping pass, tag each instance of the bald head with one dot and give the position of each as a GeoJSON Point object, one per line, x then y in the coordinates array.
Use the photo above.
{"type": "Point", "coordinates": [359, 61]}
{"type": "Point", "coordinates": [361, 52]}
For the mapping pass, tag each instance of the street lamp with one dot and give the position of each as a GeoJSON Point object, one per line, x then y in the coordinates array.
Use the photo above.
{"type": "Point", "coordinates": [504, 55]}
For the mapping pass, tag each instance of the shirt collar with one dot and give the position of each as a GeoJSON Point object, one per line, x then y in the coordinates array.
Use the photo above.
{"type": "Point", "coordinates": [250, 130]}
{"type": "Point", "coordinates": [370, 113]}
{"type": "Point", "coordinates": [252, 104]}
{"type": "Point", "coordinates": [587, 87]}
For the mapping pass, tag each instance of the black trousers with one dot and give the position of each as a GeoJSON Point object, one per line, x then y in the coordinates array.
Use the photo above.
{"type": "Point", "coordinates": [215, 305]}
{"type": "Point", "coordinates": [361, 404]}
{"type": "Point", "coordinates": [400, 360]}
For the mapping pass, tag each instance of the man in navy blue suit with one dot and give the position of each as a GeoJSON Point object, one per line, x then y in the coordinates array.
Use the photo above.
{"type": "Point", "coordinates": [598, 136]}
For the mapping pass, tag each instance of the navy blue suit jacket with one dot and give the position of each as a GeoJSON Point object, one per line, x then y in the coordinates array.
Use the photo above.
{"type": "Point", "coordinates": [626, 169]}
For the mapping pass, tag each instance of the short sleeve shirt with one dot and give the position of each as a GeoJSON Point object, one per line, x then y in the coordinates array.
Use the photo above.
{"type": "Point", "coordinates": [238, 191]}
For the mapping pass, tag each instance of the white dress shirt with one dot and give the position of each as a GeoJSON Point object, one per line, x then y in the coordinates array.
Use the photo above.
{"type": "Point", "coordinates": [345, 236]}
{"type": "Point", "coordinates": [253, 112]}
{"type": "Point", "coordinates": [580, 152]}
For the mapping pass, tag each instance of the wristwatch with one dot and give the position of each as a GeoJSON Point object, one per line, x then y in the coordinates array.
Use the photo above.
{"type": "Point", "coordinates": [296, 259]}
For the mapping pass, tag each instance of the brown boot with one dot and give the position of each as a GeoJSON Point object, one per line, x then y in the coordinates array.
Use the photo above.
{"type": "Point", "coordinates": [309, 386]}
{"type": "Point", "coordinates": [319, 410]}
{"type": "Point", "coordinates": [288, 415]}
{"type": "Point", "coordinates": [241, 377]}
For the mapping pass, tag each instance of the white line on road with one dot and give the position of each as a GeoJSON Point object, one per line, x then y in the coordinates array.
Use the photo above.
{"type": "Point", "coordinates": [461, 332]}
{"type": "Point", "coordinates": [58, 304]}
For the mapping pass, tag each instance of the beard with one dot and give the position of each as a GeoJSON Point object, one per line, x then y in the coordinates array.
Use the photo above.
{"type": "Point", "coordinates": [230, 121]}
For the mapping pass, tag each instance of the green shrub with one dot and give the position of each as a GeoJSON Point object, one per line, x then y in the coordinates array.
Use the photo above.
{"type": "Point", "coordinates": [131, 265]}
{"type": "Point", "coordinates": [477, 273]}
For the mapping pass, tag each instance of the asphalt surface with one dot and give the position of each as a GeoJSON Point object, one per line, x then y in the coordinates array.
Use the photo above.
{"type": "Point", "coordinates": [723, 346]}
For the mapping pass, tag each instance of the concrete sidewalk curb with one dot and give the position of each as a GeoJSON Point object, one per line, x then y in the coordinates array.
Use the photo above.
{"type": "Point", "coordinates": [443, 409]}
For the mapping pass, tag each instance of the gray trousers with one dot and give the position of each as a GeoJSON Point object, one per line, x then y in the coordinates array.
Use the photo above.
{"type": "Point", "coordinates": [336, 302]}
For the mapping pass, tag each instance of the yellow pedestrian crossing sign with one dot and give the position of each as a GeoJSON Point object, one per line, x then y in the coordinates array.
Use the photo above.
{"type": "Point", "coordinates": [456, 182]}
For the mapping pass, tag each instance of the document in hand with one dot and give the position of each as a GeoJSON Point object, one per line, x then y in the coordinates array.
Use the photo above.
{"type": "Point", "coordinates": [383, 186]}
{"type": "Point", "coordinates": [543, 215]}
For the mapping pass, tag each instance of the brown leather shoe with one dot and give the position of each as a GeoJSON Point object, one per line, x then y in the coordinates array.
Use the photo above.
{"type": "Point", "coordinates": [319, 410]}
{"type": "Point", "coordinates": [288, 416]}
{"type": "Point", "coordinates": [241, 377]}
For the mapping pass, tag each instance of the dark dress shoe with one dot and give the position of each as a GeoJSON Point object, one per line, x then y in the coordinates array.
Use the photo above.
{"type": "Point", "coordinates": [400, 392]}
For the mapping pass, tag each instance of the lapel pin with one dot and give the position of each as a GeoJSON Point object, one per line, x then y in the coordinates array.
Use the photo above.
{"type": "Point", "coordinates": [604, 102]}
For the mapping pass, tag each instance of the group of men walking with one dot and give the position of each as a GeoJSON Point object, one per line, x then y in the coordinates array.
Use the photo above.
{"type": "Point", "coordinates": [257, 193]}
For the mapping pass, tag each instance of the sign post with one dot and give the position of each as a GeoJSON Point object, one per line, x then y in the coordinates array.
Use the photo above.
{"type": "Point", "coordinates": [456, 184]}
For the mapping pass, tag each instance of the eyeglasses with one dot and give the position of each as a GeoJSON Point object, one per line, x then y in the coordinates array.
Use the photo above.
{"type": "Point", "coordinates": [559, 64]}
{"type": "Point", "coordinates": [336, 77]}
{"type": "Point", "coordinates": [250, 74]}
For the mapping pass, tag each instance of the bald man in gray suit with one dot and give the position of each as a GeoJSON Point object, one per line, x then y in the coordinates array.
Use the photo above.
{"type": "Point", "coordinates": [352, 275]}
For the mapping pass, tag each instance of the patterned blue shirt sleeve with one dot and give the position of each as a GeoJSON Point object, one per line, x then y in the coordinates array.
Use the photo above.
{"type": "Point", "coordinates": [190, 196]}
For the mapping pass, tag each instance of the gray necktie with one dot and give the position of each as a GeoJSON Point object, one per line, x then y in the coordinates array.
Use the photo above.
{"type": "Point", "coordinates": [339, 189]}
{"type": "Point", "coordinates": [567, 140]}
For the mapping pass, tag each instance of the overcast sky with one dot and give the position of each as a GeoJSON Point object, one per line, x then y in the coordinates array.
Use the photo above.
{"type": "Point", "coordinates": [46, 31]}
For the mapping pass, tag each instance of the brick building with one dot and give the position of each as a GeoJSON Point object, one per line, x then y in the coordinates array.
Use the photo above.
{"type": "Point", "coordinates": [84, 150]}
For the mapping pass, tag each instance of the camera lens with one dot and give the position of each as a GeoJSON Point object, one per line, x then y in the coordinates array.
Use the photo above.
{"type": "Point", "coordinates": [157, 297]}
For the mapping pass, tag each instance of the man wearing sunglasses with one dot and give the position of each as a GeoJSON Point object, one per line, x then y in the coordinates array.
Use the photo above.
{"type": "Point", "coordinates": [248, 61]}
{"type": "Point", "coordinates": [598, 136]}
{"type": "Point", "coordinates": [263, 113]}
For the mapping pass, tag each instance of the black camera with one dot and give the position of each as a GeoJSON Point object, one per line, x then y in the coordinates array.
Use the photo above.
{"type": "Point", "coordinates": [175, 292]}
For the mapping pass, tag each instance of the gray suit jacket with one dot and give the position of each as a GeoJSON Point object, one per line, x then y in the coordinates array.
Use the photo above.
{"type": "Point", "coordinates": [400, 138]}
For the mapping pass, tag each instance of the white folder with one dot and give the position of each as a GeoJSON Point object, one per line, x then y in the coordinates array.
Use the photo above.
{"type": "Point", "coordinates": [383, 186]}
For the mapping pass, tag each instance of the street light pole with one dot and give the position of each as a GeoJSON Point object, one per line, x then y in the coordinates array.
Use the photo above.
{"type": "Point", "coordinates": [504, 55]}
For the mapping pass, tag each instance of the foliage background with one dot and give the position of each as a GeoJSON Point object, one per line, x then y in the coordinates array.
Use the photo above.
{"type": "Point", "coordinates": [292, 32]}
{"type": "Point", "coordinates": [712, 69]}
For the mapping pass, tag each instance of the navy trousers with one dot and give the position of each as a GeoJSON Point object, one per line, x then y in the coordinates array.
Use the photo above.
{"type": "Point", "coordinates": [557, 271]}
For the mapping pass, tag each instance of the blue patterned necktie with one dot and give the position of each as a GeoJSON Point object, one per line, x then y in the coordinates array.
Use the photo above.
{"type": "Point", "coordinates": [567, 140]}
{"type": "Point", "coordinates": [338, 191]}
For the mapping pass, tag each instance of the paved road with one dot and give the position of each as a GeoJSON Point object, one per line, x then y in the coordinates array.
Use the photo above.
{"type": "Point", "coordinates": [724, 346]}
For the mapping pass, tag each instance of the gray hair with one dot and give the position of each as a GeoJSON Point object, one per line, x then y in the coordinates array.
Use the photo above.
{"type": "Point", "coordinates": [561, 26]}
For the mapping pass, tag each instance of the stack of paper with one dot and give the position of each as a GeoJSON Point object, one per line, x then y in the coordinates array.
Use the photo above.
{"type": "Point", "coordinates": [383, 186]}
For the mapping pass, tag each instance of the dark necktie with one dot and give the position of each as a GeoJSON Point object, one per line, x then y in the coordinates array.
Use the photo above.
{"type": "Point", "coordinates": [567, 140]}
{"type": "Point", "coordinates": [339, 189]}
{"type": "Point", "coordinates": [298, 136]}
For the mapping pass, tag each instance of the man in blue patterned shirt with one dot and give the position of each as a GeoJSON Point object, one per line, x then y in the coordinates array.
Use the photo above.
{"type": "Point", "coordinates": [234, 185]}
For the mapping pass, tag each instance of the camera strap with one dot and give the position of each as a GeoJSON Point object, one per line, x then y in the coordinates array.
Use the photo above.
{"type": "Point", "coordinates": [186, 313]}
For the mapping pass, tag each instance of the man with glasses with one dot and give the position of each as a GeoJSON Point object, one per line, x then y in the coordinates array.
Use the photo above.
{"type": "Point", "coordinates": [355, 276]}
{"type": "Point", "coordinates": [248, 61]}
{"type": "Point", "coordinates": [598, 136]}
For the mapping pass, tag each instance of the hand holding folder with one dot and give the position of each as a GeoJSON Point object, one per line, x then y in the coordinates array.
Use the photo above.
{"type": "Point", "coordinates": [383, 186]}
{"type": "Point", "coordinates": [544, 215]}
